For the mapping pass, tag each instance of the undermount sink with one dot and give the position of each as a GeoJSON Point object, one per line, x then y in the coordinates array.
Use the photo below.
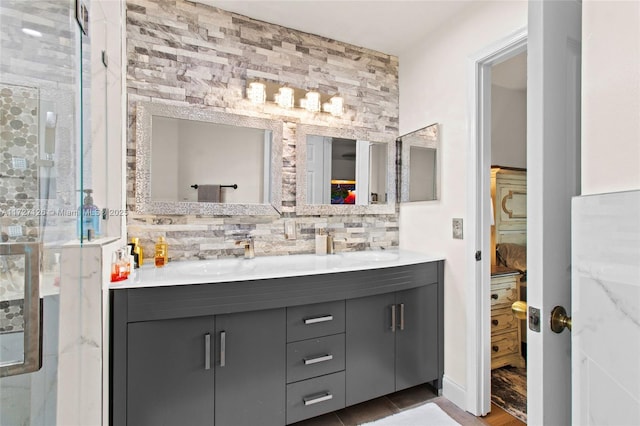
{"type": "Point", "coordinates": [371, 255]}
{"type": "Point", "coordinates": [210, 267]}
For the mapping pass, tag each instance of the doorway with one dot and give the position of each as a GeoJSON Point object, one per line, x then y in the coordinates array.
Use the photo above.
{"type": "Point", "coordinates": [508, 246]}
{"type": "Point", "coordinates": [480, 208]}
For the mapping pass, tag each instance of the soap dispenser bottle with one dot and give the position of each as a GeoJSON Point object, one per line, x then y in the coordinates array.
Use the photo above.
{"type": "Point", "coordinates": [161, 255]}
{"type": "Point", "coordinates": [88, 218]}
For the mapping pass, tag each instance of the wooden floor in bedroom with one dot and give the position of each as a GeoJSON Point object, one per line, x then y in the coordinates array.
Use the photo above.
{"type": "Point", "coordinates": [396, 402]}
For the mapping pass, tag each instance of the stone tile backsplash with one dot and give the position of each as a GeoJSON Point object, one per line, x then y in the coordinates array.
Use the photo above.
{"type": "Point", "coordinates": [189, 53]}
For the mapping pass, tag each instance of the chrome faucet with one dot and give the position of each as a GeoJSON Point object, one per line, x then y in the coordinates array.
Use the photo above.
{"type": "Point", "coordinates": [249, 252]}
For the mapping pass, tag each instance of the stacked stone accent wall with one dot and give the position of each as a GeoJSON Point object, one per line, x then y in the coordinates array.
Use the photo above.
{"type": "Point", "coordinates": [188, 53]}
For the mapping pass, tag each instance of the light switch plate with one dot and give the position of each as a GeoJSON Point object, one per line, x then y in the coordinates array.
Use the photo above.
{"type": "Point", "coordinates": [457, 228]}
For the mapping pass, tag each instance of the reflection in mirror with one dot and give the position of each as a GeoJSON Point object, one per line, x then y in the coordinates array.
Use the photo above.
{"type": "Point", "coordinates": [202, 161]}
{"type": "Point", "coordinates": [342, 174]}
{"type": "Point", "coordinates": [419, 165]}
{"type": "Point", "coordinates": [192, 160]}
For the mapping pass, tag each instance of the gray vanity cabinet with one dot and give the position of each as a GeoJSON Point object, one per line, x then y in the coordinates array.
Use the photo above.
{"type": "Point", "coordinates": [276, 351]}
{"type": "Point", "coordinates": [395, 335]}
{"type": "Point", "coordinates": [225, 370]}
{"type": "Point", "coordinates": [250, 368]}
{"type": "Point", "coordinates": [168, 380]}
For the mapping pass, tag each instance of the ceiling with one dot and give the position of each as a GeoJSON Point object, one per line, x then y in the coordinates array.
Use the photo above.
{"type": "Point", "coordinates": [385, 26]}
{"type": "Point", "coordinates": [512, 73]}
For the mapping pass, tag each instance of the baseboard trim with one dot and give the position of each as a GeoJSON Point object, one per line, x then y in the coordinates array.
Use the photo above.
{"type": "Point", "coordinates": [454, 392]}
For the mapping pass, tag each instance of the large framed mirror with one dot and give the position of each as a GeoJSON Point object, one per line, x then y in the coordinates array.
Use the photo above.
{"type": "Point", "coordinates": [342, 171]}
{"type": "Point", "coordinates": [420, 165]}
{"type": "Point", "coordinates": [194, 160]}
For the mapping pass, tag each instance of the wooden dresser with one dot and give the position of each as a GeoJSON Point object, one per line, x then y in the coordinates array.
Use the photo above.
{"type": "Point", "coordinates": [505, 327]}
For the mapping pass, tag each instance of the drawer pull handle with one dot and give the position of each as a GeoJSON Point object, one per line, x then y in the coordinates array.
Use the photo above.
{"type": "Point", "coordinates": [494, 322]}
{"type": "Point", "coordinates": [207, 351]}
{"type": "Point", "coordinates": [316, 320]}
{"type": "Point", "coordinates": [494, 296]}
{"type": "Point", "coordinates": [309, 361]}
{"type": "Point", "coordinates": [495, 348]}
{"type": "Point", "coordinates": [223, 348]}
{"type": "Point", "coordinates": [314, 399]}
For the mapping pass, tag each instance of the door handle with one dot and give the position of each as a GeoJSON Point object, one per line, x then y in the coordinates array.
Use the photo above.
{"type": "Point", "coordinates": [560, 320]}
{"type": "Point", "coordinates": [401, 316]}
{"type": "Point", "coordinates": [393, 318]}
{"type": "Point", "coordinates": [519, 309]}
{"type": "Point", "coordinates": [223, 348]}
{"type": "Point", "coordinates": [207, 351]}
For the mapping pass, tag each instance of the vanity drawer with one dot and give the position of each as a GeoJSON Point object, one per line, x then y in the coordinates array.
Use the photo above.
{"type": "Point", "coordinates": [503, 319]}
{"type": "Point", "coordinates": [317, 320]}
{"type": "Point", "coordinates": [310, 398]}
{"type": "Point", "coordinates": [315, 357]}
{"type": "Point", "coordinates": [504, 344]}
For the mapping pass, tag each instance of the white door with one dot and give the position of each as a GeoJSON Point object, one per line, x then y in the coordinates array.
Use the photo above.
{"type": "Point", "coordinates": [318, 170]}
{"type": "Point", "coordinates": [553, 153]}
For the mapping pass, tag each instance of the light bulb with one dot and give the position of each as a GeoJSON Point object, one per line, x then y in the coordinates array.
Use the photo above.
{"type": "Point", "coordinates": [284, 97]}
{"type": "Point", "coordinates": [311, 101]}
{"type": "Point", "coordinates": [257, 93]}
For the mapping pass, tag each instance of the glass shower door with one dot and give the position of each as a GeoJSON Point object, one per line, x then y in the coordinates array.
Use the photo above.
{"type": "Point", "coordinates": [43, 138]}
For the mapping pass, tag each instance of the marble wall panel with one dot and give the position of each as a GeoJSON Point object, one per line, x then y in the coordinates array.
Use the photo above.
{"type": "Point", "coordinates": [605, 309]}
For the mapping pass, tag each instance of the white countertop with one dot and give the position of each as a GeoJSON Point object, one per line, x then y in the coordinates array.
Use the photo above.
{"type": "Point", "coordinates": [265, 267]}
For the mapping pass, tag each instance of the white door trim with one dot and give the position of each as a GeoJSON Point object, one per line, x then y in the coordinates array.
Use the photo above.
{"type": "Point", "coordinates": [479, 213]}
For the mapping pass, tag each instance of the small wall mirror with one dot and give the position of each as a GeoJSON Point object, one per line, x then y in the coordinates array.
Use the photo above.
{"type": "Point", "coordinates": [192, 160]}
{"type": "Point", "coordinates": [343, 173]}
{"type": "Point", "coordinates": [420, 165]}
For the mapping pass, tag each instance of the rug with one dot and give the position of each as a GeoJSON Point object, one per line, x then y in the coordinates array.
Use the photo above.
{"type": "Point", "coordinates": [424, 415]}
{"type": "Point", "coordinates": [509, 390]}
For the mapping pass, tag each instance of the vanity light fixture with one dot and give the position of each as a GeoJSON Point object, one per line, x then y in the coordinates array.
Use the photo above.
{"type": "Point", "coordinates": [335, 106]}
{"type": "Point", "coordinates": [311, 101]}
{"type": "Point", "coordinates": [257, 92]}
{"type": "Point", "coordinates": [263, 92]}
{"type": "Point", "coordinates": [284, 97]}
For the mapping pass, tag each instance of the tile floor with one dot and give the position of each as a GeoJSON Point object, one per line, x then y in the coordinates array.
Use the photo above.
{"type": "Point", "coordinates": [390, 404]}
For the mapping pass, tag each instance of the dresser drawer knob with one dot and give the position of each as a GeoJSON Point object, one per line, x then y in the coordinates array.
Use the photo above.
{"type": "Point", "coordinates": [494, 296]}
{"type": "Point", "coordinates": [314, 399]}
{"type": "Point", "coordinates": [309, 361]}
{"type": "Point", "coordinates": [316, 320]}
{"type": "Point", "coordinates": [495, 348]}
{"type": "Point", "coordinates": [494, 322]}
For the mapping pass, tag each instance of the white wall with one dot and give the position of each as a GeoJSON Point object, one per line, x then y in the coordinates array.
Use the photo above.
{"type": "Point", "coordinates": [434, 88]}
{"type": "Point", "coordinates": [610, 96]}
{"type": "Point", "coordinates": [508, 127]}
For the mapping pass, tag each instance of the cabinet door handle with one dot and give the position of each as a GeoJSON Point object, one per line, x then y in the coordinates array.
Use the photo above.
{"type": "Point", "coordinates": [314, 399]}
{"type": "Point", "coordinates": [494, 296]}
{"type": "Point", "coordinates": [402, 316]}
{"type": "Point", "coordinates": [322, 358]}
{"type": "Point", "coordinates": [393, 318]}
{"type": "Point", "coordinates": [223, 348]}
{"type": "Point", "coordinates": [207, 351]}
{"type": "Point", "coordinates": [316, 320]}
{"type": "Point", "coordinates": [495, 348]}
{"type": "Point", "coordinates": [494, 322]}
